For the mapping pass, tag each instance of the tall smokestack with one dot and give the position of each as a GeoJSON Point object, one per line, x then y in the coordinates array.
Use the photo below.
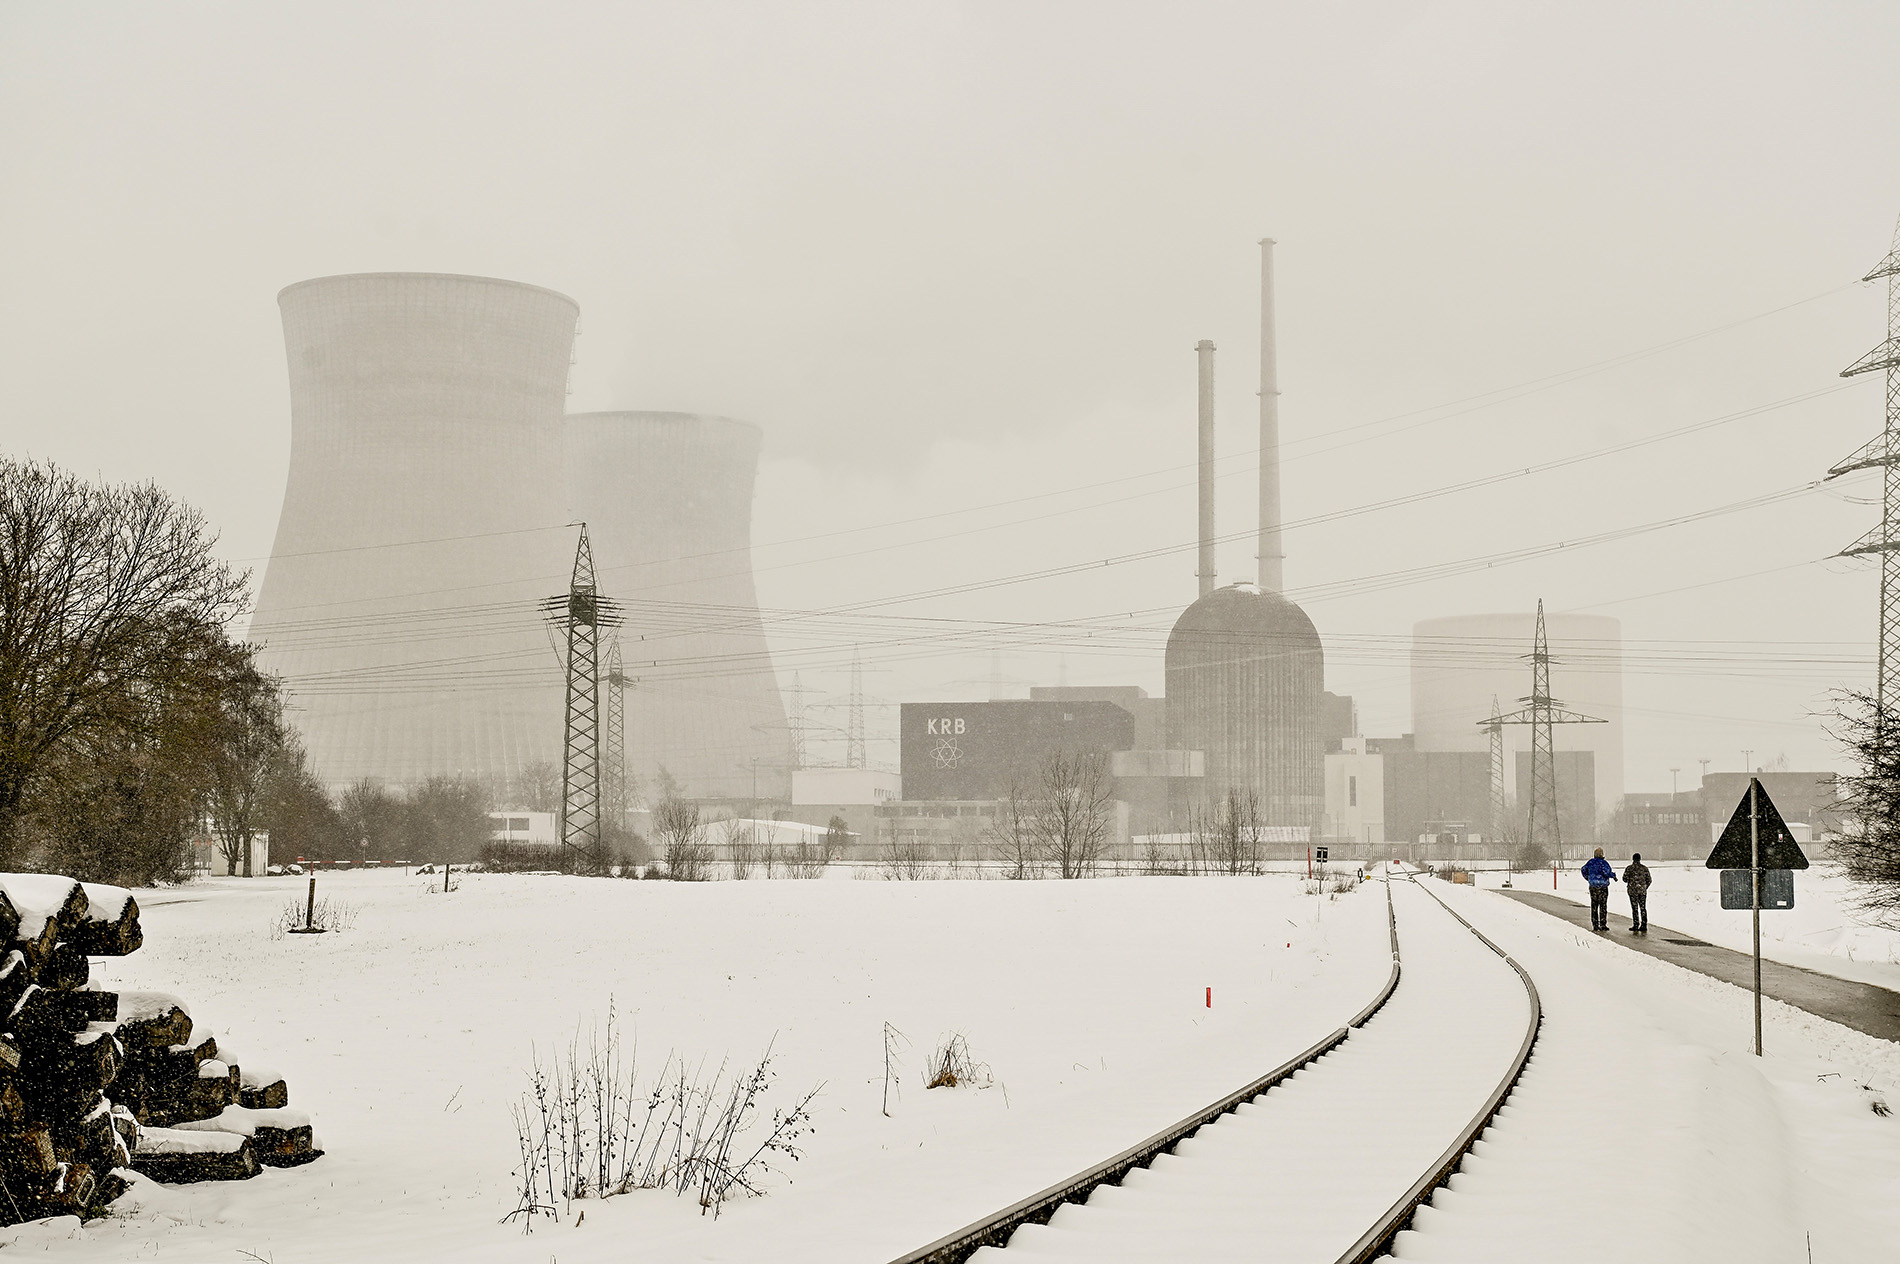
{"type": "Point", "coordinates": [1206, 572]}
{"type": "Point", "coordinates": [1271, 554]}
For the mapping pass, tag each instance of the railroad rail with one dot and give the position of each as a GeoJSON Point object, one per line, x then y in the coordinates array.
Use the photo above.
{"type": "Point", "coordinates": [1237, 1147]}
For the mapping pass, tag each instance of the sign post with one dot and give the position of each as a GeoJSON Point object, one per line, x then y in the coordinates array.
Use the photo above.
{"type": "Point", "coordinates": [1770, 855]}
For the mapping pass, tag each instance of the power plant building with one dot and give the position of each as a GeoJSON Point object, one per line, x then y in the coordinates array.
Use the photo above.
{"type": "Point", "coordinates": [422, 520]}
{"type": "Point", "coordinates": [1244, 672]}
{"type": "Point", "coordinates": [667, 498]}
{"type": "Point", "coordinates": [1245, 669]}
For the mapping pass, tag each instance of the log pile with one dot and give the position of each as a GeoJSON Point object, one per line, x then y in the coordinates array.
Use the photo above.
{"type": "Point", "coordinates": [95, 1082]}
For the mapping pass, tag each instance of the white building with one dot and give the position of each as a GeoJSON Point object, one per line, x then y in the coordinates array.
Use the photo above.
{"type": "Point", "coordinates": [532, 829]}
{"type": "Point", "coordinates": [1355, 795]}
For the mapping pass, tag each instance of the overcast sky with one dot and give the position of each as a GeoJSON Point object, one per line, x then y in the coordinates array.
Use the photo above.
{"type": "Point", "coordinates": [952, 256]}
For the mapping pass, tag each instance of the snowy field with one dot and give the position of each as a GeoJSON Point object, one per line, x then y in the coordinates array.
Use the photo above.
{"type": "Point", "coordinates": [1643, 1129]}
{"type": "Point", "coordinates": [1820, 932]}
{"type": "Point", "coordinates": [409, 1036]}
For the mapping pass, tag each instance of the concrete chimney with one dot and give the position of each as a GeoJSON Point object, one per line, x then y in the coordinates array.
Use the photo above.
{"type": "Point", "coordinates": [1271, 553]}
{"type": "Point", "coordinates": [1205, 349]}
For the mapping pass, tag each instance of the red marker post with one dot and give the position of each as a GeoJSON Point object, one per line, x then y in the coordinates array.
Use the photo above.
{"type": "Point", "coordinates": [1210, 998]}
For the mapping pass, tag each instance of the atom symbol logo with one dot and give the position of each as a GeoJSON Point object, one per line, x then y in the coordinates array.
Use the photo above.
{"type": "Point", "coordinates": [947, 753]}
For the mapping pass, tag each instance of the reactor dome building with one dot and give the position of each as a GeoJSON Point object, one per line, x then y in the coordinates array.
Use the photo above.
{"type": "Point", "coordinates": [422, 519]}
{"type": "Point", "coordinates": [668, 502]}
{"type": "Point", "coordinates": [1245, 668]}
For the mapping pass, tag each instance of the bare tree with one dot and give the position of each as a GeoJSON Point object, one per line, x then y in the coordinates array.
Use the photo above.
{"type": "Point", "coordinates": [536, 788]}
{"type": "Point", "coordinates": [1225, 837]}
{"type": "Point", "coordinates": [681, 836]}
{"type": "Point", "coordinates": [106, 594]}
{"type": "Point", "coordinates": [741, 842]}
{"type": "Point", "coordinates": [1011, 837]}
{"type": "Point", "coordinates": [1071, 818]}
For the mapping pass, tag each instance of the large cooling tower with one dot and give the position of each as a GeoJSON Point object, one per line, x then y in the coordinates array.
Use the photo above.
{"type": "Point", "coordinates": [423, 519]}
{"type": "Point", "coordinates": [1459, 663]}
{"type": "Point", "coordinates": [667, 498]}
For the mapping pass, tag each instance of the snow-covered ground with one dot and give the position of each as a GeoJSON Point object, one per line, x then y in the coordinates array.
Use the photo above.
{"type": "Point", "coordinates": [408, 1037]}
{"type": "Point", "coordinates": [1643, 1129]}
{"type": "Point", "coordinates": [1821, 931]}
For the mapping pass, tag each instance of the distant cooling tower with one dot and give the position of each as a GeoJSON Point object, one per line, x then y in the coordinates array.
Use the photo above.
{"type": "Point", "coordinates": [1460, 663]}
{"type": "Point", "coordinates": [422, 520]}
{"type": "Point", "coordinates": [667, 498]}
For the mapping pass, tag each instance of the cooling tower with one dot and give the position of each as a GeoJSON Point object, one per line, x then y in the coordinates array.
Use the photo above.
{"type": "Point", "coordinates": [1460, 663]}
{"type": "Point", "coordinates": [423, 518]}
{"type": "Point", "coordinates": [667, 498]}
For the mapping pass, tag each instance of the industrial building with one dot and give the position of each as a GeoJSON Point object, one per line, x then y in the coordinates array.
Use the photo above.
{"type": "Point", "coordinates": [422, 520]}
{"type": "Point", "coordinates": [667, 498]}
{"type": "Point", "coordinates": [984, 751]}
{"type": "Point", "coordinates": [1245, 669]}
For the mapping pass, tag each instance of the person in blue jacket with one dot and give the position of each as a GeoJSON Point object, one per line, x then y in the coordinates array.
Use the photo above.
{"type": "Point", "coordinates": [1598, 873]}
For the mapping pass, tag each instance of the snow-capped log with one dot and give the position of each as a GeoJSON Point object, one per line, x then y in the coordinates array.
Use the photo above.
{"type": "Point", "coordinates": [283, 1138]}
{"type": "Point", "coordinates": [91, 1059]}
{"type": "Point", "coordinates": [67, 1191]}
{"type": "Point", "coordinates": [90, 1079]}
{"type": "Point", "coordinates": [66, 968]}
{"type": "Point", "coordinates": [111, 928]}
{"type": "Point", "coordinates": [30, 1150]}
{"type": "Point", "coordinates": [152, 1020]}
{"type": "Point", "coordinates": [179, 1157]}
{"type": "Point", "coordinates": [178, 1062]}
{"type": "Point", "coordinates": [48, 905]}
{"type": "Point", "coordinates": [259, 1089]}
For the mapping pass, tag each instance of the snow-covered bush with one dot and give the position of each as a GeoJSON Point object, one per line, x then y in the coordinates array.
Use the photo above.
{"type": "Point", "coordinates": [587, 1129]}
{"type": "Point", "coordinates": [952, 1065]}
{"type": "Point", "coordinates": [327, 914]}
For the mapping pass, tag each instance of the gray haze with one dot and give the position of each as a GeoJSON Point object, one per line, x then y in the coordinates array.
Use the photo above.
{"type": "Point", "coordinates": [950, 257]}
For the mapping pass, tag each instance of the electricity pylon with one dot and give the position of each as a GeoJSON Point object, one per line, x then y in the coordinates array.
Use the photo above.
{"type": "Point", "coordinates": [614, 751]}
{"type": "Point", "coordinates": [854, 721]}
{"type": "Point", "coordinates": [581, 613]}
{"type": "Point", "coordinates": [1500, 800]}
{"type": "Point", "coordinates": [1542, 831]}
{"type": "Point", "coordinates": [1883, 451]}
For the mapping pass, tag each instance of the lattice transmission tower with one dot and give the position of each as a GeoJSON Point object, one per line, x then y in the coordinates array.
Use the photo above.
{"type": "Point", "coordinates": [1500, 797]}
{"type": "Point", "coordinates": [1883, 451]}
{"type": "Point", "coordinates": [1542, 832]}
{"type": "Point", "coordinates": [581, 613]}
{"type": "Point", "coordinates": [613, 757]}
{"type": "Point", "coordinates": [854, 720]}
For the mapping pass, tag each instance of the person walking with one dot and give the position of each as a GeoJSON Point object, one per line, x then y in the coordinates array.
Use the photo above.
{"type": "Point", "coordinates": [1598, 873]}
{"type": "Point", "coordinates": [1636, 881]}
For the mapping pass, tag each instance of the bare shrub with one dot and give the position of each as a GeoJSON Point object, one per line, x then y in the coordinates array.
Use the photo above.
{"type": "Point", "coordinates": [742, 846]}
{"type": "Point", "coordinates": [328, 915]}
{"type": "Point", "coordinates": [685, 854]}
{"type": "Point", "coordinates": [1073, 813]}
{"type": "Point", "coordinates": [952, 1065]}
{"type": "Point", "coordinates": [1225, 837]}
{"type": "Point", "coordinates": [900, 861]}
{"type": "Point", "coordinates": [1011, 837]}
{"type": "Point", "coordinates": [517, 858]}
{"type": "Point", "coordinates": [587, 1129]}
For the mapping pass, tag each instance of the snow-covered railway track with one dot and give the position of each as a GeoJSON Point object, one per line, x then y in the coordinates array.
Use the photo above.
{"type": "Point", "coordinates": [1324, 1159]}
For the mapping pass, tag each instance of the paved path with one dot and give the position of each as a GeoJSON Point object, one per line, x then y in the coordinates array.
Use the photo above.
{"type": "Point", "coordinates": [1862, 1006]}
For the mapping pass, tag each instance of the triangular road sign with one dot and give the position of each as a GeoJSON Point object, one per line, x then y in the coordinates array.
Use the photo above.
{"type": "Point", "coordinates": [1778, 848]}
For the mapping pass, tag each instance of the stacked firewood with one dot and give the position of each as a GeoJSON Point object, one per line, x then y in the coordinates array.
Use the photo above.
{"type": "Point", "coordinates": [94, 1082]}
